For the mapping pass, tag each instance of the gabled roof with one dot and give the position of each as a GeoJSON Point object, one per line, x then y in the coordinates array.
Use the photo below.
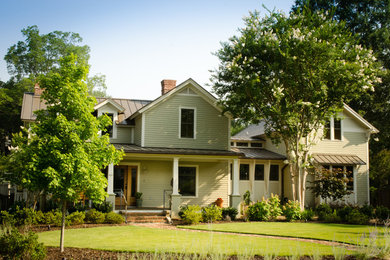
{"type": "Point", "coordinates": [359, 118]}
{"type": "Point", "coordinates": [200, 90]}
{"type": "Point", "coordinates": [111, 102]}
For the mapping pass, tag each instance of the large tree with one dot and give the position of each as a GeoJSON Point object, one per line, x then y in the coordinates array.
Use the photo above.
{"type": "Point", "coordinates": [369, 20]}
{"type": "Point", "coordinates": [63, 153]}
{"type": "Point", "coordinates": [294, 72]}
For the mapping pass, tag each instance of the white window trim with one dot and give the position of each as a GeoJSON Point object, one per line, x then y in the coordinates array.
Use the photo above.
{"type": "Point", "coordinates": [195, 112]}
{"type": "Point", "coordinates": [114, 119]}
{"type": "Point", "coordinates": [196, 179]}
{"type": "Point", "coordinates": [332, 130]}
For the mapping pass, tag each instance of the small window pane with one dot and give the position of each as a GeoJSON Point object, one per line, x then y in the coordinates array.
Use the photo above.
{"type": "Point", "coordinates": [349, 175]}
{"type": "Point", "coordinates": [259, 172]}
{"type": "Point", "coordinates": [274, 173]}
{"type": "Point", "coordinates": [242, 144]}
{"type": "Point", "coordinates": [187, 181]}
{"type": "Point", "coordinates": [337, 129]}
{"type": "Point", "coordinates": [256, 145]}
{"type": "Point", "coordinates": [244, 172]}
{"type": "Point", "coordinates": [187, 123]}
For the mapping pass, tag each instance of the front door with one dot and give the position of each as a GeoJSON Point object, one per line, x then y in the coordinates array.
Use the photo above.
{"type": "Point", "coordinates": [125, 184]}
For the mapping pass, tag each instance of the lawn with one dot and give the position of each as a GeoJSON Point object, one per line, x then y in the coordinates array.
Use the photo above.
{"type": "Point", "coordinates": [352, 234]}
{"type": "Point", "coordinates": [144, 239]}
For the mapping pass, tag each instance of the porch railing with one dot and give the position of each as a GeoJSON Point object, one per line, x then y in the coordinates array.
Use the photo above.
{"type": "Point", "coordinates": [167, 199]}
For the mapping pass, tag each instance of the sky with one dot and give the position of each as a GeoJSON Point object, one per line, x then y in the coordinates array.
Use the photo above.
{"type": "Point", "coordinates": [136, 44]}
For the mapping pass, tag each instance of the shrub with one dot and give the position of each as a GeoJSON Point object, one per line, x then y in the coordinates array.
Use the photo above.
{"type": "Point", "coordinates": [211, 213]}
{"type": "Point", "coordinates": [192, 214]}
{"type": "Point", "coordinates": [50, 217]}
{"type": "Point", "coordinates": [19, 204]}
{"type": "Point", "coordinates": [260, 211]}
{"type": "Point", "coordinates": [344, 212]}
{"type": "Point", "coordinates": [332, 217]}
{"type": "Point", "coordinates": [274, 203]}
{"type": "Point", "coordinates": [114, 218]}
{"type": "Point", "coordinates": [24, 216]}
{"type": "Point", "coordinates": [7, 218]}
{"type": "Point", "coordinates": [15, 245]}
{"type": "Point", "coordinates": [78, 207]}
{"type": "Point", "coordinates": [382, 213]}
{"type": "Point", "coordinates": [308, 214]}
{"type": "Point", "coordinates": [368, 210]}
{"type": "Point", "coordinates": [247, 198]}
{"type": "Point", "coordinates": [322, 210]}
{"type": "Point", "coordinates": [229, 211]}
{"type": "Point", "coordinates": [40, 217]}
{"type": "Point", "coordinates": [104, 207]}
{"type": "Point", "coordinates": [94, 216]}
{"type": "Point", "coordinates": [292, 210]}
{"type": "Point", "coordinates": [357, 217]}
{"type": "Point", "coordinates": [181, 211]}
{"type": "Point", "coordinates": [76, 218]}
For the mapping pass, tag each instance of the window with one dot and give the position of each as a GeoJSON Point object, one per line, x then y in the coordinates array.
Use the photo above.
{"type": "Point", "coordinates": [187, 123]}
{"type": "Point", "coordinates": [259, 172]}
{"type": "Point", "coordinates": [242, 144]}
{"type": "Point", "coordinates": [231, 143]}
{"type": "Point", "coordinates": [349, 175]}
{"type": "Point", "coordinates": [109, 129]}
{"type": "Point", "coordinates": [274, 172]}
{"type": "Point", "coordinates": [332, 129]}
{"type": "Point", "coordinates": [257, 145]}
{"type": "Point", "coordinates": [244, 172]}
{"type": "Point", "coordinates": [337, 129]}
{"type": "Point", "coordinates": [187, 181]}
{"type": "Point", "coordinates": [343, 172]}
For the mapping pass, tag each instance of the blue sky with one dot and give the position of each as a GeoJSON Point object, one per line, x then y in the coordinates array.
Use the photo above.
{"type": "Point", "coordinates": [136, 44]}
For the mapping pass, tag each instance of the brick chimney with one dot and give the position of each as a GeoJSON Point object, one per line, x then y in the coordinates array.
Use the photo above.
{"type": "Point", "coordinates": [167, 85]}
{"type": "Point", "coordinates": [37, 90]}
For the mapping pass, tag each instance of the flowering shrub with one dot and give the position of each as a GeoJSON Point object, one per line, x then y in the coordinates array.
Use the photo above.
{"type": "Point", "coordinates": [292, 210]}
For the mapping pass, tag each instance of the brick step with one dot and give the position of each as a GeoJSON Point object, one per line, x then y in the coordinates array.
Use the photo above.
{"type": "Point", "coordinates": [146, 219]}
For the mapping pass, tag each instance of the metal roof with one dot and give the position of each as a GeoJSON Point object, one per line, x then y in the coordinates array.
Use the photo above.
{"type": "Point", "coordinates": [251, 133]}
{"type": "Point", "coordinates": [338, 159]}
{"type": "Point", "coordinates": [258, 153]}
{"type": "Point", "coordinates": [132, 148]}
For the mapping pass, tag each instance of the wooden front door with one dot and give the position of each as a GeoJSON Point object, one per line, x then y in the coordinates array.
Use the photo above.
{"type": "Point", "coordinates": [125, 182]}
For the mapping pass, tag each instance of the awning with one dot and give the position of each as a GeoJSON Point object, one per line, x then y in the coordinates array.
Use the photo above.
{"type": "Point", "coordinates": [338, 159]}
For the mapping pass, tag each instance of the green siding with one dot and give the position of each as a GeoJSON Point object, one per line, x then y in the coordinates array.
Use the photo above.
{"type": "Point", "coordinates": [138, 130]}
{"type": "Point", "coordinates": [162, 124]}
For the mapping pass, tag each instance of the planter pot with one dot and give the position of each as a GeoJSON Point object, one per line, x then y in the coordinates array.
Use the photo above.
{"type": "Point", "coordinates": [138, 203]}
{"type": "Point", "coordinates": [219, 203]}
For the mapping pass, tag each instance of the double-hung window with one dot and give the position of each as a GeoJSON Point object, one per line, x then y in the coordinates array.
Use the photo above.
{"type": "Point", "coordinates": [187, 181]}
{"type": "Point", "coordinates": [187, 123]}
{"type": "Point", "coordinates": [333, 129]}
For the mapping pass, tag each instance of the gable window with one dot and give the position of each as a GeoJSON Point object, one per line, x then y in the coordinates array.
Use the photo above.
{"type": "Point", "coordinates": [187, 123]}
{"type": "Point", "coordinates": [259, 172]}
{"type": "Point", "coordinates": [187, 181]}
{"type": "Point", "coordinates": [244, 172]}
{"type": "Point", "coordinates": [274, 172]}
{"type": "Point", "coordinates": [333, 129]}
{"type": "Point", "coordinates": [109, 129]}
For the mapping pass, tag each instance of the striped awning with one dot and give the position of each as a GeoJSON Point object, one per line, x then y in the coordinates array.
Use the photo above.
{"type": "Point", "coordinates": [338, 159]}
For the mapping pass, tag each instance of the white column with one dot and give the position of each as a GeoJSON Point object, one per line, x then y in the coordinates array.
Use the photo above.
{"type": "Point", "coordinates": [235, 186]}
{"type": "Point", "coordinates": [252, 179]}
{"type": "Point", "coordinates": [175, 188]}
{"type": "Point", "coordinates": [267, 168]}
{"type": "Point", "coordinates": [110, 179]}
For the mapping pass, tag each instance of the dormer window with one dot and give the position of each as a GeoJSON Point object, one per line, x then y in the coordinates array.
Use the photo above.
{"type": "Point", "coordinates": [187, 123]}
{"type": "Point", "coordinates": [109, 129]}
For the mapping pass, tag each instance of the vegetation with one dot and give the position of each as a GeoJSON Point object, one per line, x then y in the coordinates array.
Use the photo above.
{"type": "Point", "coordinates": [293, 72]}
{"type": "Point", "coordinates": [211, 213]}
{"type": "Point", "coordinates": [191, 214]}
{"type": "Point", "coordinates": [292, 210]}
{"type": "Point", "coordinates": [229, 211]}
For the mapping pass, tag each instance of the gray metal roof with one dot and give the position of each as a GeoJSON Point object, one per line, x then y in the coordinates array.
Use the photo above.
{"type": "Point", "coordinates": [32, 103]}
{"type": "Point", "coordinates": [252, 132]}
{"type": "Point", "coordinates": [258, 153]}
{"type": "Point", "coordinates": [132, 148]}
{"type": "Point", "coordinates": [338, 159]}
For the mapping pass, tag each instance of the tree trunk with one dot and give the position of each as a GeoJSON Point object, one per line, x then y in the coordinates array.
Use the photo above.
{"type": "Point", "coordinates": [63, 226]}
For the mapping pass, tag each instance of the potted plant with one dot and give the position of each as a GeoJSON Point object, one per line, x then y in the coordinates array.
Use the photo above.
{"type": "Point", "coordinates": [138, 199]}
{"type": "Point", "coordinates": [219, 202]}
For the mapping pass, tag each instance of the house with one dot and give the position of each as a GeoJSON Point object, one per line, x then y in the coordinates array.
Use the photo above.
{"type": "Point", "coordinates": [178, 150]}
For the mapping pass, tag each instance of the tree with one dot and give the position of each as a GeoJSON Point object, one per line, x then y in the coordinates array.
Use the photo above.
{"type": "Point", "coordinates": [294, 73]}
{"type": "Point", "coordinates": [369, 20]}
{"type": "Point", "coordinates": [63, 153]}
{"type": "Point", "coordinates": [331, 183]}
{"type": "Point", "coordinates": [380, 174]}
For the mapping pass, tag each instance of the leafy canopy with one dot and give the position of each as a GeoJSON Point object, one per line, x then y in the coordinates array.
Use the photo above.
{"type": "Point", "coordinates": [63, 153]}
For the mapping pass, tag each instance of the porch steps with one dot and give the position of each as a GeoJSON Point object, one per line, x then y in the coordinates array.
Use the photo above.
{"type": "Point", "coordinates": [146, 216]}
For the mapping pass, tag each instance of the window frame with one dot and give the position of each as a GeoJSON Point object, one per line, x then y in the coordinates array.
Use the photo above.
{"type": "Point", "coordinates": [196, 179]}
{"type": "Point", "coordinates": [330, 135]}
{"type": "Point", "coordinates": [270, 167]}
{"type": "Point", "coordinates": [249, 169]}
{"type": "Point", "coordinates": [180, 122]}
{"type": "Point", "coordinates": [258, 164]}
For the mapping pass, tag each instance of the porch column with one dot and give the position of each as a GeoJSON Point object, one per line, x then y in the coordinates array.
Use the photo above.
{"type": "Point", "coordinates": [235, 197]}
{"type": "Point", "coordinates": [175, 197]}
{"type": "Point", "coordinates": [252, 180]}
{"type": "Point", "coordinates": [267, 169]}
{"type": "Point", "coordinates": [110, 185]}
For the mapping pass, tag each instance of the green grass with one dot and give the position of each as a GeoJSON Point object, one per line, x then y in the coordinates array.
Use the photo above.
{"type": "Point", "coordinates": [143, 239]}
{"type": "Point", "coordinates": [352, 234]}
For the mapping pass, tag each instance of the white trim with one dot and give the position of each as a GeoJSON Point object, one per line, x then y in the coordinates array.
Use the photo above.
{"type": "Point", "coordinates": [114, 119]}
{"type": "Point", "coordinates": [236, 178]}
{"type": "Point", "coordinates": [361, 119]}
{"type": "Point", "coordinates": [355, 183]}
{"type": "Point", "coordinates": [368, 169]}
{"type": "Point", "coordinates": [196, 179]}
{"type": "Point", "coordinates": [109, 101]}
{"type": "Point", "coordinates": [143, 130]}
{"type": "Point", "coordinates": [175, 176]}
{"type": "Point", "coordinates": [195, 113]}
